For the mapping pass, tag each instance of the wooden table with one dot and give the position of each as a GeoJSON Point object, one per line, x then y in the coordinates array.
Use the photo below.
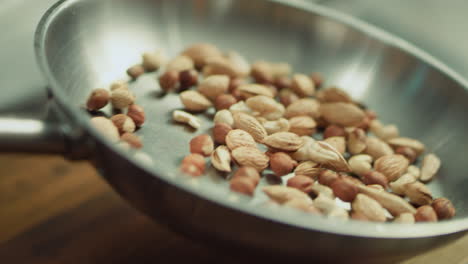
{"type": "Point", "coordinates": [55, 211]}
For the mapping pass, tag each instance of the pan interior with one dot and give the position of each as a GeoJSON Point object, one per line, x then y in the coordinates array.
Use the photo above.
{"type": "Point", "coordinates": [92, 43]}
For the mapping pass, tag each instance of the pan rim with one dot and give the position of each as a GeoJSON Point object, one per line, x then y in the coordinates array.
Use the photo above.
{"type": "Point", "coordinates": [296, 219]}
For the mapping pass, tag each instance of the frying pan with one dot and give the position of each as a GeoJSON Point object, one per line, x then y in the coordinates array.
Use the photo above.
{"type": "Point", "coordinates": [84, 44]}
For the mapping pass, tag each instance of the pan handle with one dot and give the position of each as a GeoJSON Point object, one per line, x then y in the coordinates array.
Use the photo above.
{"type": "Point", "coordinates": [52, 135]}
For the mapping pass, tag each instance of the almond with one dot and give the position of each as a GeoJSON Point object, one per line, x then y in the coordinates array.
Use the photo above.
{"type": "Point", "coordinates": [281, 163]}
{"type": "Point", "coordinates": [405, 218]}
{"type": "Point", "coordinates": [344, 189]}
{"type": "Point", "coordinates": [214, 85]}
{"type": "Point", "coordinates": [302, 85]}
{"type": "Point", "coordinates": [369, 207]}
{"type": "Point", "coordinates": [377, 148]}
{"type": "Point", "coordinates": [240, 107]}
{"type": "Point", "coordinates": [239, 138]}
{"type": "Point", "coordinates": [200, 52]}
{"type": "Point", "coordinates": [249, 156]}
{"type": "Point", "coordinates": [180, 63]}
{"type": "Point", "coordinates": [343, 114]}
{"type": "Point", "coordinates": [334, 131]}
{"type": "Point", "coordinates": [326, 177]}
{"type": "Point", "coordinates": [392, 166]}
{"type": "Point", "coordinates": [193, 165]}
{"type": "Point", "coordinates": [334, 95]}
{"type": "Point", "coordinates": [360, 164]}
{"type": "Point", "coordinates": [280, 125]}
{"type": "Point", "coordinates": [302, 125]}
{"type": "Point", "coordinates": [194, 101]}
{"type": "Point", "coordinates": [202, 144]}
{"type": "Point", "coordinates": [220, 131]}
{"type": "Point", "coordinates": [375, 178]}
{"type": "Point", "coordinates": [383, 132]}
{"type": "Point", "coordinates": [408, 153]}
{"type": "Point", "coordinates": [287, 97]}
{"type": "Point", "coordinates": [303, 107]}
{"type": "Point", "coordinates": [283, 194]}
{"type": "Point", "coordinates": [266, 107]}
{"type": "Point", "coordinates": [303, 206]}
{"type": "Point", "coordinates": [357, 141]}
{"type": "Point", "coordinates": [301, 183]}
{"type": "Point", "coordinates": [393, 203]}
{"type": "Point", "coordinates": [225, 117]}
{"type": "Point", "coordinates": [242, 185]}
{"type": "Point", "coordinates": [221, 66]}
{"type": "Point", "coordinates": [98, 99]}
{"type": "Point", "coordinates": [322, 190]}
{"type": "Point", "coordinates": [250, 90]}
{"type": "Point", "coordinates": [323, 153]}
{"type": "Point", "coordinates": [249, 124]}
{"type": "Point", "coordinates": [430, 166]}
{"type": "Point", "coordinates": [399, 186]}
{"type": "Point", "coordinates": [302, 154]}
{"type": "Point", "coordinates": [221, 159]}
{"type": "Point", "coordinates": [262, 72]}
{"type": "Point", "coordinates": [186, 118]}
{"type": "Point", "coordinates": [106, 127]}
{"type": "Point", "coordinates": [415, 171]}
{"type": "Point", "coordinates": [418, 193]}
{"type": "Point", "coordinates": [339, 143]}
{"type": "Point", "coordinates": [240, 64]}
{"type": "Point", "coordinates": [284, 141]}
{"type": "Point", "coordinates": [308, 168]}
{"type": "Point", "coordinates": [248, 172]}
{"type": "Point", "coordinates": [416, 145]}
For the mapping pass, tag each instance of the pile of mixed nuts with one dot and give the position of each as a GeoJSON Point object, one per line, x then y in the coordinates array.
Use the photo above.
{"type": "Point", "coordinates": [268, 118]}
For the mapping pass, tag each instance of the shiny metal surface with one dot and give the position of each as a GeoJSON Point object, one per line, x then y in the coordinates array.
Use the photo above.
{"type": "Point", "coordinates": [83, 44]}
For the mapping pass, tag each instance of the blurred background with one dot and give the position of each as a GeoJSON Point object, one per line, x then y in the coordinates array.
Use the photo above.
{"type": "Point", "coordinates": [438, 27]}
{"type": "Point", "coordinates": [52, 211]}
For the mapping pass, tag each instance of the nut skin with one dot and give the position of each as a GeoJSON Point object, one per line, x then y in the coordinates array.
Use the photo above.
{"type": "Point", "coordinates": [317, 79]}
{"type": "Point", "coordinates": [235, 83]}
{"type": "Point", "coordinates": [224, 101]}
{"type": "Point", "coordinates": [282, 164]}
{"type": "Point", "coordinates": [243, 185]}
{"type": "Point", "coordinates": [302, 183]}
{"type": "Point", "coordinates": [375, 177]}
{"type": "Point", "coordinates": [425, 213]}
{"type": "Point", "coordinates": [193, 165]}
{"type": "Point", "coordinates": [282, 82]}
{"type": "Point", "coordinates": [344, 189]}
{"type": "Point", "coordinates": [261, 72]}
{"type": "Point", "coordinates": [136, 113]}
{"type": "Point", "coordinates": [247, 172]}
{"type": "Point", "coordinates": [123, 123]}
{"type": "Point", "coordinates": [133, 140]}
{"type": "Point", "coordinates": [443, 208]}
{"type": "Point", "coordinates": [220, 131]}
{"type": "Point", "coordinates": [327, 177]}
{"type": "Point", "coordinates": [334, 131]}
{"type": "Point", "coordinates": [202, 144]}
{"type": "Point", "coordinates": [187, 79]}
{"type": "Point", "coordinates": [408, 153]}
{"type": "Point", "coordinates": [287, 97]}
{"type": "Point", "coordinates": [98, 99]}
{"type": "Point", "coordinates": [136, 71]}
{"type": "Point", "coordinates": [169, 80]}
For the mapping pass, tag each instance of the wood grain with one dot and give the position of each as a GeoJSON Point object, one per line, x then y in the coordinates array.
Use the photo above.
{"type": "Point", "coordinates": [55, 211]}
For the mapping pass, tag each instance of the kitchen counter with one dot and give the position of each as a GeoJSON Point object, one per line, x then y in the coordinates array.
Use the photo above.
{"type": "Point", "coordinates": [56, 211]}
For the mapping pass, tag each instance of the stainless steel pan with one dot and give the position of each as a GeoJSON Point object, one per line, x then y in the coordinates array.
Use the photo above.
{"type": "Point", "coordinates": [84, 44]}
